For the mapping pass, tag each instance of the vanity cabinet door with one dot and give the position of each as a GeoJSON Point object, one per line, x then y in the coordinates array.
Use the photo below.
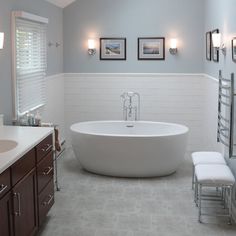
{"type": "Point", "coordinates": [23, 166]}
{"type": "Point", "coordinates": [5, 182]}
{"type": "Point", "coordinates": [43, 148]}
{"type": "Point", "coordinates": [6, 228]}
{"type": "Point", "coordinates": [45, 171]}
{"type": "Point", "coordinates": [46, 201]}
{"type": "Point", "coordinates": [25, 206]}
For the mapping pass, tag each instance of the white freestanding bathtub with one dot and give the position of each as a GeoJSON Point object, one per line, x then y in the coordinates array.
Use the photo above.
{"type": "Point", "coordinates": [129, 149]}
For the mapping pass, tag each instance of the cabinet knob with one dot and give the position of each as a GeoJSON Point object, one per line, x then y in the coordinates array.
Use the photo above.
{"type": "Point", "coordinates": [45, 203]}
{"type": "Point", "coordinates": [3, 188]}
{"type": "Point", "coordinates": [48, 170]}
{"type": "Point", "coordinates": [18, 196]}
{"type": "Point", "coordinates": [48, 147]}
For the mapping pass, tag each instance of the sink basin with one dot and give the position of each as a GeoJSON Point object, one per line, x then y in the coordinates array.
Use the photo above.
{"type": "Point", "coordinates": [7, 145]}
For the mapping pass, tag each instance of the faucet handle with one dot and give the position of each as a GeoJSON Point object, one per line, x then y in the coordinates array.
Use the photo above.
{"type": "Point", "coordinates": [130, 94]}
{"type": "Point", "coordinates": [123, 95]}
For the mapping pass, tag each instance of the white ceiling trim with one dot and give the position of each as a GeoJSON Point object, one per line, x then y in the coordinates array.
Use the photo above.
{"type": "Point", "coordinates": [61, 3]}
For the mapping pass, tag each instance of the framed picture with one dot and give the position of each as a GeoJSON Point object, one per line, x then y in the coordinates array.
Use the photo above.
{"type": "Point", "coordinates": [112, 48]}
{"type": "Point", "coordinates": [234, 49]}
{"type": "Point", "coordinates": [151, 48]}
{"type": "Point", "coordinates": [208, 45]}
{"type": "Point", "coordinates": [215, 52]}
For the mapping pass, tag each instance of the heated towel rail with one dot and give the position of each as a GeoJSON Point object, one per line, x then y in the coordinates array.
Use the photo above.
{"type": "Point", "coordinates": [225, 130]}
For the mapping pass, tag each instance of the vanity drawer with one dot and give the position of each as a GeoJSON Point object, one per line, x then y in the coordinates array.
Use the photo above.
{"type": "Point", "coordinates": [46, 201]}
{"type": "Point", "coordinates": [44, 147]}
{"type": "Point", "coordinates": [23, 166]}
{"type": "Point", "coordinates": [5, 182]}
{"type": "Point", "coordinates": [45, 171]}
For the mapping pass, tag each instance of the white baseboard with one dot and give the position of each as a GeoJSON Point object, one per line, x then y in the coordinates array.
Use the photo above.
{"type": "Point", "coordinates": [211, 77]}
{"type": "Point", "coordinates": [234, 209]}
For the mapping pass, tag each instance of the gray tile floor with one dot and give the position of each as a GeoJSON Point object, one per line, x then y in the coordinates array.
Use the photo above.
{"type": "Point", "coordinates": [92, 205]}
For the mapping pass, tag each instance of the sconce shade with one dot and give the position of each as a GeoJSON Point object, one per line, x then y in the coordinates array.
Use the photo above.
{"type": "Point", "coordinates": [1, 40]}
{"type": "Point", "coordinates": [91, 44]}
{"type": "Point", "coordinates": [173, 43]}
{"type": "Point", "coordinates": [216, 40]}
{"type": "Point", "coordinates": [173, 47]}
{"type": "Point", "coordinates": [91, 47]}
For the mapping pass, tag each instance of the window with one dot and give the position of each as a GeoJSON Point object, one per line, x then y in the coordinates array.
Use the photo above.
{"type": "Point", "coordinates": [30, 62]}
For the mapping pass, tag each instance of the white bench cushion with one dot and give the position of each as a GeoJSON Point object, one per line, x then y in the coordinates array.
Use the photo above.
{"type": "Point", "coordinates": [207, 158]}
{"type": "Point", "coordinates": [214, 174]}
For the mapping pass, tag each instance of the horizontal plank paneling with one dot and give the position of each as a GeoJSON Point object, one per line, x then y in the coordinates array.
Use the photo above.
{"type": "Point", "coordinates": [178, 98]}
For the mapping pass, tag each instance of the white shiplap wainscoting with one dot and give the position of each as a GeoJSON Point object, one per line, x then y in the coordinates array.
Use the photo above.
{"type": "Point", "coordinates": [211, 114]}
{"type": "Point", "coordinates": [177, 98]}
{"type": "Point", "coordinates": [54, 110]}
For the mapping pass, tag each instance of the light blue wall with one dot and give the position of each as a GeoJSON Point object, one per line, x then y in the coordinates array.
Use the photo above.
{"type": "Point", "coordinates": [55, 33]}
{"type": "Point", "coordinates": [183, 19]}
{"type": "Point", "coordinates": [221, 14]}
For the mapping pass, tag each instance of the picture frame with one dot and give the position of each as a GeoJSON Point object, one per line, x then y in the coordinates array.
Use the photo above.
{"type": "Point", "coordinates": [234, 49]}
{"type": "Point", "coordinates": [151, 48]}
{"type": "Point", "coordinates": [208, 45]}
{"type": "Point", "coordinates": [215, 52]}
{"type": "Point", "coordinates": [112, 48]}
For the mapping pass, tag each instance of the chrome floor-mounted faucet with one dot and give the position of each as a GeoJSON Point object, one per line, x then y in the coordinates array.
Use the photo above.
{"type": "Point", "coordinates": [130, 107]}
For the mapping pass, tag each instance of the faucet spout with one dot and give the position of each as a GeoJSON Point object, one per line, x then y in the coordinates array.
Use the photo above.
{"type": "Point", "coordinates": [130, 107]}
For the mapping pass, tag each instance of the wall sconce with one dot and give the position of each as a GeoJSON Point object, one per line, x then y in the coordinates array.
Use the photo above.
{"type": "Point", "coordinates": [216, 42]}
{"type": "Point", "coordinates": [173, 47]}
{"type": "Point", "coordinates": [1, 40]}
{"type": "Point", "coordinates": [91, 47]}
{"type": "Point", "coordinates": [50, 44]}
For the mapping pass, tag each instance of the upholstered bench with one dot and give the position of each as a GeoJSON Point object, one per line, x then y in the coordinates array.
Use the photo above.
{"type": "Point", "coordinates": [206, 158]}
{"type": "Point", "coordinates": [214, 175]}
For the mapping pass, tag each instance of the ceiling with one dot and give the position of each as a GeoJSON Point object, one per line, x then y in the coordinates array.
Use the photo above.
{"type": "Point", "coordinates": [61, 3]}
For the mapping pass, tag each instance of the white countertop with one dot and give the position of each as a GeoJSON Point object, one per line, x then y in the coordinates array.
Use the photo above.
{"type": "Point", "coordinates": [26, 137]}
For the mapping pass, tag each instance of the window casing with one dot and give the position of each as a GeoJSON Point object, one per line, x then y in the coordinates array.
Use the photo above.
{"type": "Point", "coordinates": [30, 63]}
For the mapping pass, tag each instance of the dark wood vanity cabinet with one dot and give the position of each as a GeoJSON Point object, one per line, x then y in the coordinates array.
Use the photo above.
{"type": "Point", "coordinates": [25, 206]}
{"type": "Point", "coordinates": [24, 196]}
{"type": "Point", "coordinates": [27, 191]}
{"type": "Point", "coordinates": [45, 201]}
{"type": "Point", "coordinates": [6, 209]}
{"type": "Point", "coordinates": [43, 148]}
{"type": "Point", "coordinates": [5, 183]}
{"type": "Point", "coordinates": [45, 173]}
{"type": "Point", "coordinates": [23, 166]}
{"type": "Point", "coordinates": [6, 219]}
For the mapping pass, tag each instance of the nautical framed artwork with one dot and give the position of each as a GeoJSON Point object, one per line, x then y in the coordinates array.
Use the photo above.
{"type": "Point", "coordinates": [208, 45]}
{"type": "Point", "coordinates": [234, 49]}
{"type": "Point", "coordinates": [151, 48]}
{"type": "Point", "coordinates": [112, 48]}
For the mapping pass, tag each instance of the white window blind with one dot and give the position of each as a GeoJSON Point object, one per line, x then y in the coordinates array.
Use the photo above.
{"type": "Point", "coordinates": [30, 63]}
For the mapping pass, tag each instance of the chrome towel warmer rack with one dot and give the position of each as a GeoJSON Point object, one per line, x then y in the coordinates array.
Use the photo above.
{"type": "Point", "coordinates": [225, 130]}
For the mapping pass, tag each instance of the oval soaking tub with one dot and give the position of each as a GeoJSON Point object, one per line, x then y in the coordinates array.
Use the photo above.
{"type": "Point", "coordinates": [129, 149]}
